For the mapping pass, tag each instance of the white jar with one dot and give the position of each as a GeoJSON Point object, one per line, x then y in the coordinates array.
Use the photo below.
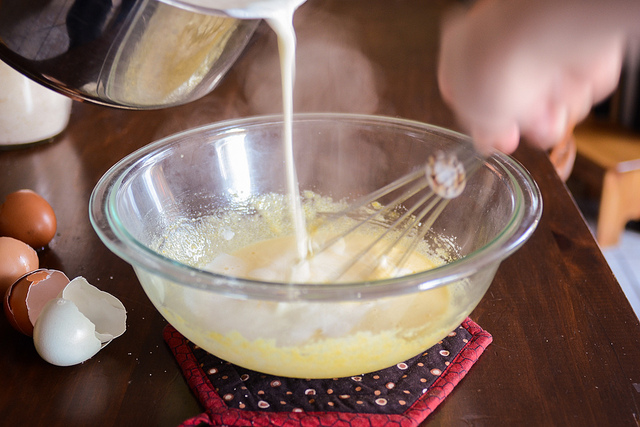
{"type": "Point", "coordinates": [29, 112]}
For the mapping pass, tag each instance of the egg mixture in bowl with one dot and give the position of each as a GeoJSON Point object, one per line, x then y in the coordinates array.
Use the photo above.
{"type": "Point", "coordinates": [204, 218]}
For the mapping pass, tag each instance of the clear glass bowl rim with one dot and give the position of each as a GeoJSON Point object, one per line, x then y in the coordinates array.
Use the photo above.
{"type": "Point", "coordinates": [104, 219]}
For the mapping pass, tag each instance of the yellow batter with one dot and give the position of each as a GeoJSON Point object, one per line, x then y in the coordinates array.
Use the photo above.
{"type": "Point", "coordinates": [276, 260]}
{"type": "Point", "coordinates": [296, 338]}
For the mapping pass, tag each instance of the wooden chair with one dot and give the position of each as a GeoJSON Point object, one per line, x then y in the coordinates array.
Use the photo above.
{"type": "Point", "coordinates": [608, 160]}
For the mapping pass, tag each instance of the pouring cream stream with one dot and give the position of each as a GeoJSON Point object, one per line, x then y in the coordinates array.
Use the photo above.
{"type": "Point", "coordinates": [279, 15]}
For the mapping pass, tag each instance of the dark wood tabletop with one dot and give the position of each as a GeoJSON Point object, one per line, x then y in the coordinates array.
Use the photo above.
{"type": "Point", "coordinates": [566, 343]}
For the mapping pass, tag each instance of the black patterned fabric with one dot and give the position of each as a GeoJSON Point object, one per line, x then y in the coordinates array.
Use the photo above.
{"type": "Point", "coordinates": [394, 388]}
{"type": "Point", "coordinates": [401, 395]}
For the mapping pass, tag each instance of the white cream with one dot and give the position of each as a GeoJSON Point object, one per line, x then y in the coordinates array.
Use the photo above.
{"type": "Point", "coordinates": [281, 21]}
{"type": "Point", "coordinates": [279, 16]}
{"type": "Point", "coordinates": [248, 9]}
{"type": "Point", "coordinates": [273, 260]}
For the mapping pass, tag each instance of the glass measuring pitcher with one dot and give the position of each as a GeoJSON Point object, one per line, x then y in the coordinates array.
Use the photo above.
{"type": "Point", "coordinates": [135, 54]}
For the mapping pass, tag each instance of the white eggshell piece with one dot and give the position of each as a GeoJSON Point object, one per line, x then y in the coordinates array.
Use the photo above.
{"type": "Point", "coordinates": [63, 336]}
{"type": "Point", "coordinates": [104, 310]}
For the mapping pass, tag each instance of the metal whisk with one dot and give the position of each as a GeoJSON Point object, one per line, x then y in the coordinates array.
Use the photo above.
{"type": "Point", "coordinates": [415, 202]}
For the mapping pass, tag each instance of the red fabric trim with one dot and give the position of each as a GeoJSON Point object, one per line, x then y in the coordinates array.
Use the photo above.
{"type": "Point", "coordinates": [218, 414]}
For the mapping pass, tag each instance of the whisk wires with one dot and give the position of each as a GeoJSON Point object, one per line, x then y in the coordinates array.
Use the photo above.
{"type": "Point", "coordinates": [429, 189]}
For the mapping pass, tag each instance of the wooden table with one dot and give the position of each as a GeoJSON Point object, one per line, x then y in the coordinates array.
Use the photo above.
{"type": "Point", "coordinates": [566, 347]}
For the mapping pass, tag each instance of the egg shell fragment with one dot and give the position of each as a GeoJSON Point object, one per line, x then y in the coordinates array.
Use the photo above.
{"type": "Point", "coordinates": [101, 308]}
{"type": "Point", "coordinates": [73, 328]}
{"type": "Point", "coordinates": [63, 336]}
{"type": "Point", "coordinates": [26, 298]}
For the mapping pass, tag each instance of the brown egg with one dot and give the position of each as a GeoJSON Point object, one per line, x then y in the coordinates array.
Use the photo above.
{"type": "Point", "coordinates": [26, 216]}
{"type": "Point", "coordinates": [25, 299]}
{"type": "Point", "coordinates": [16, 259]}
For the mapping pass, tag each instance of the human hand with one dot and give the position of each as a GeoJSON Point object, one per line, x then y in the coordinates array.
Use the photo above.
{"type": "Point", "coordinates": [529, 68]}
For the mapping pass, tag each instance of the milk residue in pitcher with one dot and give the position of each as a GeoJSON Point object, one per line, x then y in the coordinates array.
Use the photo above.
{"type": "Point", "coordinates": [246, 9]}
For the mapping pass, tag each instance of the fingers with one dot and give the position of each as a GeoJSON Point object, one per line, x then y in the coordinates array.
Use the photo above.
{"type": "Point", "coordinates": [571, 95]}
{"type": "Point", "coordinates": [605, 73]}
{"type": "Point", "coordinates": [504, 81]}
{"type": "Point", "coordinates": [503, 139]}
{"type": "Point", "coordinates": [547, 127]}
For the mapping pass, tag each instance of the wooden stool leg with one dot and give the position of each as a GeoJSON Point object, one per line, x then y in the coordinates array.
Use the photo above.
{"type": "Point", "coordinates": [620, 203]}
{"type": "Point", "coordinates": [632, 194]}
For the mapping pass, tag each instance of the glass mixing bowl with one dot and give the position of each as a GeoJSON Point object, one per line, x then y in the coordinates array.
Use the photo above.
{"type": "Point", "coordinates": [151, 207]}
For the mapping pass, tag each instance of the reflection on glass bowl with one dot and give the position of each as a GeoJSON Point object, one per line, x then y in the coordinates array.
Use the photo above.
{"type": "Point", "coordinates": [173, 206]}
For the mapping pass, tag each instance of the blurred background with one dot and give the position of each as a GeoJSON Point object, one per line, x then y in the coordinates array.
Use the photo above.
{"type": "Point", "coordinates": [605, 178]}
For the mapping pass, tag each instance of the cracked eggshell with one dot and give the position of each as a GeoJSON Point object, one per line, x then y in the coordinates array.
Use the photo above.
{"type": "Point", "coordinates": [73, 328]}
{"type": "Point", "coordinates": [101, 308]}
{"type": "Point", "coordinates": [26, 297]}
{"type": "Point", "coordinates": [63, 336]}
